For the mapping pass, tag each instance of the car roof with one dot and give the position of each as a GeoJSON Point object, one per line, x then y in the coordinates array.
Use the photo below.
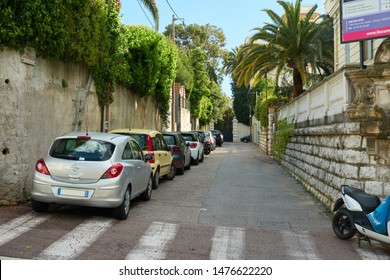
{"type": "Point", "coordinates": [170, 132]}
{"type": "Point", "coordinates": [136, 131]}
{"type": "Point", "coordinates": [95, 135]}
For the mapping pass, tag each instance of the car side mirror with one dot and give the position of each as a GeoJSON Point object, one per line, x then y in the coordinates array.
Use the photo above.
{"type": "Point", "coordinates": [148, 157]}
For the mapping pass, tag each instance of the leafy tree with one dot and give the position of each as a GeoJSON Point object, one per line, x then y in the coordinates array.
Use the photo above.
{"type": "Point", "coordinates": [220, 101]}
{"type": "Point", "coordinates": [206, 71]}
{"type": "Point", "coordinates": [201, 87]}
{"type": "Point", "coordinates": [244, 102]}
{"type": "Point", "coordinates": [209, 38]}
{"type": "Point", "coordinates": [151, 5]}
{"type": "Point", "coordinates": [291, 40]}
{"type": "Point", "coordinates": [185, 73]}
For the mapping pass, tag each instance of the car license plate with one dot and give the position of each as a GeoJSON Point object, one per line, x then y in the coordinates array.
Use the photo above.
{"type": "Point", "coordinates": [70, 192]}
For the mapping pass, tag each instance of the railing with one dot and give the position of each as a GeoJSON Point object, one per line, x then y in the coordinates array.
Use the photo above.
{"type": "Point", "coordinates": [330, 97]}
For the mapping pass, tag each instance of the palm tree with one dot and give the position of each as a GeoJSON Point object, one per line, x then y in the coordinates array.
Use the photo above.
{"type": "Point", "coordinates": [291, 41]}
{"type": "Point", "coordinates": [151, 5]}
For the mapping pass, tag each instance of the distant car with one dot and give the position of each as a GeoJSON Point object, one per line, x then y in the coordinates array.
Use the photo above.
{"type": "Point", "coordinates": [205, 140]}
{"type": "Point", "coordinates": [210, 137]}
{"type": "Point", "coordinates": [218, 137]}
{"type": "Point", "coordinates": [180, 150]}
{"type": "Point", "coordinates": [152, 142]}
{"type": "Point", "coordinates": [246, 139]}
{"type": "Point", "coordinates": [94, 169]}
{"type": "Point", "coordinates": [196, 146]}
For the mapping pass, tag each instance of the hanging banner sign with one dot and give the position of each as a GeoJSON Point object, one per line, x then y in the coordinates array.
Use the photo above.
{"type": "Point", "coordinates": [364, 19]}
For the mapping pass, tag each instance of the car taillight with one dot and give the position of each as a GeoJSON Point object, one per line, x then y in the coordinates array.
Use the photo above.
{"type": "Point", "coordinates": [151, 160]}
{"type": "Point", "coordinates": [150, 144]}
{"type": "Point", "coordinates": [175, 149]}
{"type": "Point", "coordinates": [41, 167]}
{"type": "Point", "coordinates": [113, 172]}
{"type": "Point", "coordinates": [193, 145]}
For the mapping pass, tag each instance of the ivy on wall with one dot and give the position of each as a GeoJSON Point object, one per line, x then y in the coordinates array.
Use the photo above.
{"type": "Point", "coordinates": [89, 32]}
{"type": "Point", "coordinates": [283, 133]}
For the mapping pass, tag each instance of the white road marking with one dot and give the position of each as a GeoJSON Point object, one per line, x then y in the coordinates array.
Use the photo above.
{"type": "Point", "coordinates": [367, 255]}
{"type": "Point", "coordinates": [228, 243]}
{"type": "Point", "coordinates": [20, 225]}
{"type": "Point", "coordinates": [299, 245]}
{"type": "Point", "coordinates": [76, 241]}
{"type": "Point", "coordinates": [152, 244]}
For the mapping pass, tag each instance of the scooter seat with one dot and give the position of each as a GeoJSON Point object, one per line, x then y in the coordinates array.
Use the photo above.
{"type": "Point", "coordinates": [368, 202]}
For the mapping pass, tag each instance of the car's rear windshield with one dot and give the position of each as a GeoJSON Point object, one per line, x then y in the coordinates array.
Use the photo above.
{"type": "Point", "coordinates": [142, 140]}
{"type": "Point", "coordinates": [170, 139]}
{"type": "Point", "coordinates": [82, 149]}
{"type": "Point", "coordinates": [189, 137]}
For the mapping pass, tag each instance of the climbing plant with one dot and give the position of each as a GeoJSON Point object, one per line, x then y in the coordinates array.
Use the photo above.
{"type": "Point", "coordinates": [282, 135]}
{"type": "Point", "coordinates": [90, 33]}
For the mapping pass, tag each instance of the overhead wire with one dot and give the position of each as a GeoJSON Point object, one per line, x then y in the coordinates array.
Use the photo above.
{"type": "Point", "coordinates": [170, 6]}
{"type": "Point", "coordinates": [142, 8]}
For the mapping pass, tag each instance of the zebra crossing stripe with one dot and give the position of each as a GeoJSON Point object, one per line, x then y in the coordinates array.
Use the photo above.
{"type": "Point", "coordinates": [152, 244]}
{"type": "Point", "coordinates": [76, 241]}
{"type": "Point", "coordinates": [228, 243]}
{"type": "Point", "coordinates": [367, 255]}
{"type": "Point", "coordinates": [20, 225]}
{"type": "Point", "coordinates": [299, 245]}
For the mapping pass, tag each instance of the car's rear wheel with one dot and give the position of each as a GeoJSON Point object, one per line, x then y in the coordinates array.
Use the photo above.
{"type": "Point", "coordinates": [147, 194]}
{"type": "Point", "coordinates": [171, 174]}
{"type": "Point", "coordinates": [195, 161]}
{"type": "Point", "coordinates": [156, 179]}
{"type": "Point", "coordinates": [38, 206]}
{"type": "Point", "coordinates": [122, 211]}
{"type": "Point", "coordinates": [180, 171]}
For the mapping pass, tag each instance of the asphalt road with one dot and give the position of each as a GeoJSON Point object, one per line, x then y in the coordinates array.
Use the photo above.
{"type": "Point", "coordinates": [239, 204]}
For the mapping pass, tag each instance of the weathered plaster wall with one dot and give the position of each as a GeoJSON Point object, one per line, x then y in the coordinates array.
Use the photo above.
{"type": "Point", "coordinates": [42, 101]}
{"type": "Point", "coordinates": [239, 130]}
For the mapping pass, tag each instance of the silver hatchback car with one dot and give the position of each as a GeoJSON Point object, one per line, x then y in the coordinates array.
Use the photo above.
{"type": "Point", "coordinates": [94, 169]}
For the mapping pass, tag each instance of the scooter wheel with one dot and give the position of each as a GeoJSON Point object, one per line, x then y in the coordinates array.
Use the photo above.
{"type": "Point", "coordinates": [342, 224]}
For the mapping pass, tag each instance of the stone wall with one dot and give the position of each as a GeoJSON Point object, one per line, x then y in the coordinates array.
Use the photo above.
{"type": "Point", "coordinates": [325, 157]}
{"type": "Point", "coordinates": [42, 99]}
{"type": "Point", "coordinates": [346, 144]}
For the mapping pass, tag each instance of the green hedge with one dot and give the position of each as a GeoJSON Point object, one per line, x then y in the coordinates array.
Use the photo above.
{"type": "Point", "coordinates": [90, 33]}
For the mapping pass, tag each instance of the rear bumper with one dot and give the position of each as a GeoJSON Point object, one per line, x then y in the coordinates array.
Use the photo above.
{"type": "Point", "coordinates": [107, 194]}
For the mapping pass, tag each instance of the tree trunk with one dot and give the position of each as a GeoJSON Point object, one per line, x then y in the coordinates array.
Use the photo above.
{"type": "Point", "coordinates": [297, 83]}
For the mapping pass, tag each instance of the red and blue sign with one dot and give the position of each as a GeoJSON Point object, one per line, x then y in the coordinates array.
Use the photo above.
{"type": "Point", "coordinates": [364, 19]}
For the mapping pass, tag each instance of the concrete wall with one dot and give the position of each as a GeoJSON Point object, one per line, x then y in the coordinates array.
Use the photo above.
{"type": "Point", "coordinates": [42, 99]}
{"type": "Point", "coordinates": [239, 130]}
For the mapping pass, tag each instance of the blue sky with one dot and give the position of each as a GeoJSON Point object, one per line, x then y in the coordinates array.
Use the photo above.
{"type": "Point", "coordinates": [236, 18]}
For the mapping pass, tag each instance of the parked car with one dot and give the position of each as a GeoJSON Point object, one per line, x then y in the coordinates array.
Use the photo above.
{"type": "Point", "coordinates": [218, 137]}
{"type": "Point", "coordinates": [180, 150]}
{"type": "Point", "coordinates": [209, 135]}
{"type": "Point", "coordinates": [205, 140]}
{"type": "Point", "coordinates": [94, 169]}
{"type": "Point", "coordinates": [245, 139]}
{"type": "Point", "coordinates": [196, 146]}
{"type": "Point", "coordinates": [152, 142]}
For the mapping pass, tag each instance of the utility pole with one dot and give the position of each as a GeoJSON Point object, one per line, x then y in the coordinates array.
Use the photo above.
{"type": "Point", "coordinates": [173, 84]}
